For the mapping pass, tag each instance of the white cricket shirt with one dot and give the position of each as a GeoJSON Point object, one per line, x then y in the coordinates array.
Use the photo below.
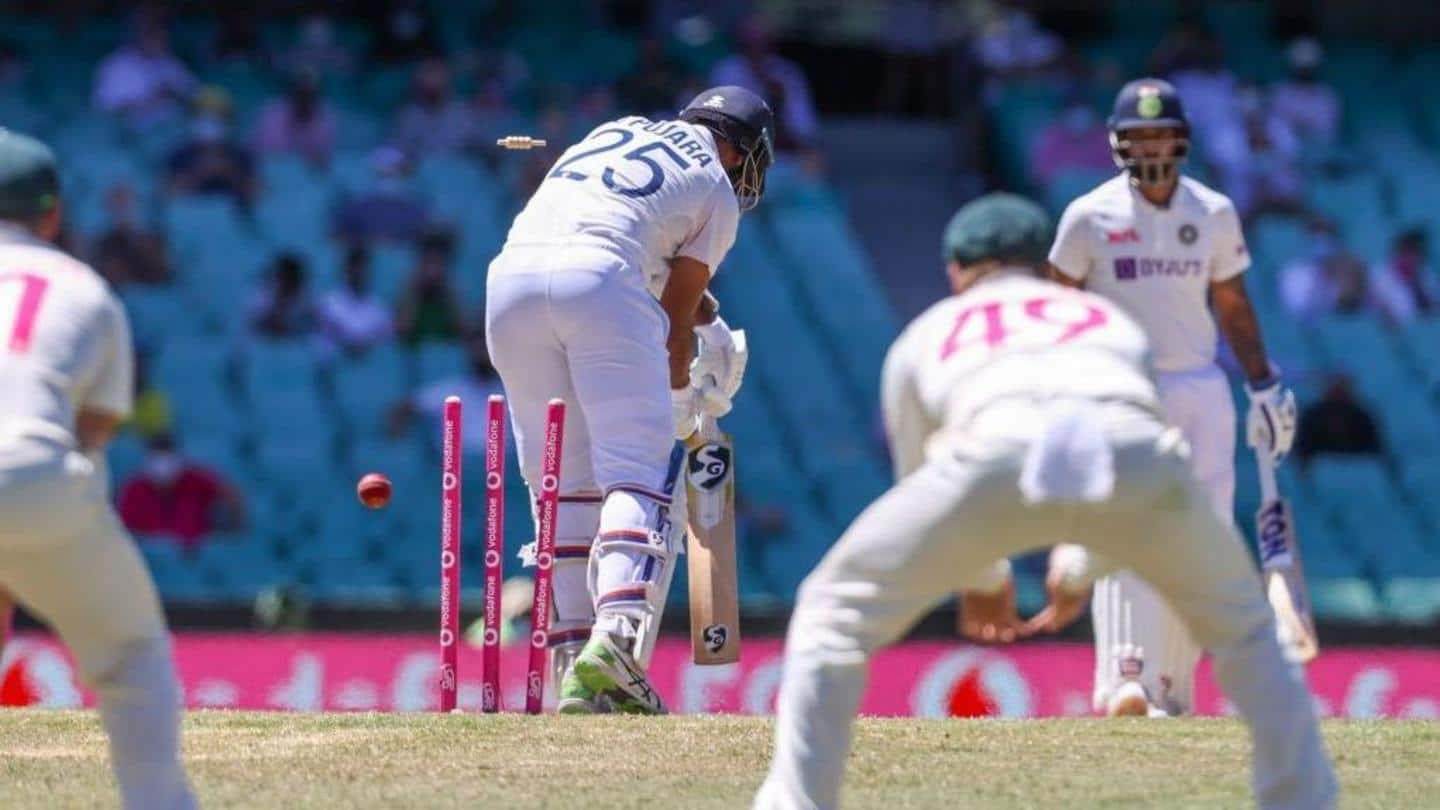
{"type": "Point", "coordinates": [1009, 337]}
{"type": "Point", "coordinates": [647, 190]}
{"type": "Point", "coordinates": [64, 343]}
{"type": "Point", "coordinates": [1157, 263]}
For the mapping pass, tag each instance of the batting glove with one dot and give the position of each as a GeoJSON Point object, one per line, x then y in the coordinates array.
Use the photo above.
{"type": "Point", "coordinates": [684, 409]}
{"type": "Point", "coordinates": [1270, 425]}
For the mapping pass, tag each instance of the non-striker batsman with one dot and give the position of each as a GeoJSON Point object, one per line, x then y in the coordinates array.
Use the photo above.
{"type": "Point", "coordinates": [1170, 252]}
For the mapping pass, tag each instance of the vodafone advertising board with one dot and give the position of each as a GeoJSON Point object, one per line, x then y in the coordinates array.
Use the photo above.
{"type": "Point", "coordinates": [347, 672]}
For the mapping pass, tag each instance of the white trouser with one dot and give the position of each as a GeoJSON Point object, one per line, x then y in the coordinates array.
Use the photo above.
{"type": "Point", "coordinates": [65, 557]}
{"type": "Point", "coordinates": [909, 550]}
{"type": "Point", "coordinates": [1136, 632]}
{"type": "Point", "coordinates": [578, 324]}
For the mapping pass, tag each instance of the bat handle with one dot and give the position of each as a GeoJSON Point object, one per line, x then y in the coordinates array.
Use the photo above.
{"type": "Point", "coordinates": [1269, 489]}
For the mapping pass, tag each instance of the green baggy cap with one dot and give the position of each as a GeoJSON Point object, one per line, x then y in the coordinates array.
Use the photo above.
{"type": "Point", "coordinates": [1000, 226]}
{"type": "Point", "coordinates": [29, 182]}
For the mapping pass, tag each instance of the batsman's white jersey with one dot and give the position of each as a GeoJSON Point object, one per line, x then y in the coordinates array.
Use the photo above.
{"type": "Point", "coordinates": [572, 311]}
{"type": "Point", "coordinates": [64, 349]}
{"type": "Point", "coordinates": [1158, 265]}
{"type": "Point", "coordinates": [1023, 413]}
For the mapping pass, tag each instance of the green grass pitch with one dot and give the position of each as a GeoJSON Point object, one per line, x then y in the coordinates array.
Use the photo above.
{"type": "Point", "coordinates": [55, 759]}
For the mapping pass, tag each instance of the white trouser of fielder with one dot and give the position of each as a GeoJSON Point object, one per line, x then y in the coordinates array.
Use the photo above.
{"type": "Point", "coordinates": [910, 549]}
{"type": "Point", "coordinates": [65, 557]}
{"type": "Point", "coordinates": [1136, 633]}
{"type": "Point", "coordinates": [577, 323]}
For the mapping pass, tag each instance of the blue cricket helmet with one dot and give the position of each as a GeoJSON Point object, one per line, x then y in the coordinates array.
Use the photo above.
{"type": "Point", "coordinates": [745, 121]}
{"type": "Point", "coordinates": [1145, 104]}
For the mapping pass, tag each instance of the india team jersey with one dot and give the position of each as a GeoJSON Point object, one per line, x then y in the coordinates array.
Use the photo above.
{"type": "Point", "coordinates": [64, 343]}
{"type": "Point", "coordinates": [1011, 337]}
{"type": "Point", "coordinates": [1157, 263]}
{"type": "Point", "coordinates": [647, 190]}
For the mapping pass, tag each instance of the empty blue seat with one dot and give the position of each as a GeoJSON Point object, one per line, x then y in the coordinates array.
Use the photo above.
{"type": "Point", "coordinates": [441, 361]}
{"type": "Point", "coordinates": [268, 365]}
{"type": "Point", "coordinates": [180, 362]}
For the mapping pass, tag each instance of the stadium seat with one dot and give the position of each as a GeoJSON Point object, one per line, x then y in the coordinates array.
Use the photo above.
{"type": "Point", "coordinates": [436, 360]}
{"type": "Point", "coordinates": [291, 411]}
{"type": "Point", "coordinates": [367, 388]}
{"type": "Point", "coordinates": [210, 408]}
{"type": "Point", "coordinates": [1350, 599]}
{"type": "Point", "coordinates": [269, 365]}
{"type": "Point", "coordinates": [198, 359]}
{"type": "Point", "coordinates": [1412, 599]}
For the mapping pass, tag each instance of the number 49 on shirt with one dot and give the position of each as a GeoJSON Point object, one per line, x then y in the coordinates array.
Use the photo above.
{"type": "Point", "coordinates": [1038, 321]}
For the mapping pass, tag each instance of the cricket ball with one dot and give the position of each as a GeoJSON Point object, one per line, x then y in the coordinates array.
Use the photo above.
{"type": "Point", "coordinates": [374, 490]}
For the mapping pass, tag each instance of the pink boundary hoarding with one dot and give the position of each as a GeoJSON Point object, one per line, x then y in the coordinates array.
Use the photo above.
{"type": "Point", "coordinates": [344, 672]}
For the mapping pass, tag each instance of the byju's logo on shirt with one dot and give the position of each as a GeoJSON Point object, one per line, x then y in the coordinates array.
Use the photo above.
{"type": "Point", "coordinates": [1130, 268]}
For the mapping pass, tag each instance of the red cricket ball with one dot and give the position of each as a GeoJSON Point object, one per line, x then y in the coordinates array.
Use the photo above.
{"type": "Point", "coordinates": [374, 490]}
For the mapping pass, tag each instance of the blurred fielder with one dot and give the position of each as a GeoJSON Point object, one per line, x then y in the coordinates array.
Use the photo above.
{"type": "Point", "coordinates": [67, 366]}
{"type": "Point", "coordinates": [595, 299]}
{"type": "Point", "coordinates": [1160, 245]}
{"type": "Point", "coordinates": [1018, 411]}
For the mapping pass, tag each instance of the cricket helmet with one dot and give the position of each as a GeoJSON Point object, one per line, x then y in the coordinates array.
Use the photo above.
{"type": "Point", "coordinates": [745, 121]}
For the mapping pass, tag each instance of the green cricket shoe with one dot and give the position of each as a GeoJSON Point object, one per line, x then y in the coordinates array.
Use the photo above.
{"type": "Point", "coordinates": [577, 698]}
{"type": "Point", "coordinates": [609, 672]}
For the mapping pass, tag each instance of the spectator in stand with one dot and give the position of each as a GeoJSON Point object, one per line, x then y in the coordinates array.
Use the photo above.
{"type": "Point", "coordinates": [1336, 424]}
{"type": "Point", "coordinates": [757, 67]}
{"type": "Point", "coordinates": [237, 32]}
{"type": "Point", "coordinates": [478, 382]}
{"type": "Point", "coordinates": [390, 210]}
{"type": "Point", "coordinates": [1258, 157]}
{"type": "Point", "coordinates": [493, 116]}
{"type": "Point", "coordinates": [1010, 44]}
{"type": "Point", "coordinates": [14, 66]}
{"type": "Point", "coordinates": [406, 34]}
{"type": "Point", "coordinates": [143, 81]}
{"type": "Point", "coordinates": [1076, 140]}
{"type": "Point", "coordinates": [433, 120]}
{"type": "Point", "coordinates": [429, 308]}
{"type": "Point", "coordinates": [298, 123]}
{"type": "Point", "coordinates": [284, 309]}
{"type": "Point", "coordinates": [317, 49]}
{"type": "Point", "coordinates": [1404, 286]}
{"type": "Point", "coordinates": [173, 496]}
{"type": "Point", "coordinates": [1310, 106]}
{"type": "Point", "coordinates": [915, 37]}
{"type": "Point", "coordinates": [1330, 280]}
{"type": "Point", "coordinates": [353, 319]}
{"type": "Point", "coordinates": [1192, 58]}
{"type": "Point", "coordinates": [150, 417]}
{"type": "Point", "coordinates": [128, 252]}
{"type": "Point", "coordinates": [653, 87]}
{"type": "Point", "coordinates": [212, 163]}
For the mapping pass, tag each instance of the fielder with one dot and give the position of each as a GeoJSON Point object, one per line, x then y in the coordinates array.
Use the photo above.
{"type": "Point", "coordinates": [594, 299]}
{"type": "Point", "coordinates": [1018, 411]}
{"type": "Point", "coordinates": [67, 366]}
{"type": "Point", "coordinates": [1160, 245]}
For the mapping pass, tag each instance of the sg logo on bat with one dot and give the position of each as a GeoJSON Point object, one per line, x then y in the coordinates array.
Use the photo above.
{"type": "Point", "coordinates": [716, 636]}
{"type": "Point", "coordinates": [709, 466]}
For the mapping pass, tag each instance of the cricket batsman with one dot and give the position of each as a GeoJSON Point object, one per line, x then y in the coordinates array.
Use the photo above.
{"type": "Point", "coordinates": [1018, 411]}
{"type": "Point", "coordinates": [595, 299]}
{"type": "Point", "coordinates": [1168, 250]}
{"type": "Point", "coordinates": [67, 366]}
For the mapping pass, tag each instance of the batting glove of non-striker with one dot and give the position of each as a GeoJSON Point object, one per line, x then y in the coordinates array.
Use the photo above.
{"type": "Point", "coordinates": [1271, 422]}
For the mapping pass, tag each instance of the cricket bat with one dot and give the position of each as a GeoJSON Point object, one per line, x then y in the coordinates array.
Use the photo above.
{"type": "Point", "coordinates": [1280, 566]}
{"type": "Point", "coordinates": [714, 586]}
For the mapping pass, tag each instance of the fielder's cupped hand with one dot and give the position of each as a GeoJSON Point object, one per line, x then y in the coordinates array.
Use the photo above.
{"type": "Point", "coordinates": [990, 618]}
{"type": "Point", "coordinates": [1064, 606]}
